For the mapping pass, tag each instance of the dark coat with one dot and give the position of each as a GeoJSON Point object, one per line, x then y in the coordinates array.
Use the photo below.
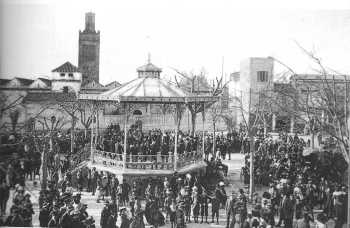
{"type": "Point", "coordinates": [104, 217]}
{"type": "Point", "coordinates": [287, 208]}
{"type": "Point", "coordinates": [111, 222]}
{"type": "Point", "coordinates": [44, 217]}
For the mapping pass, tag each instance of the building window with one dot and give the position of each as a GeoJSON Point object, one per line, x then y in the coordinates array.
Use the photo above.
{"type": "Point", "coordinates": [65, 89]}
{"type": "Point", "coordinates": [235, 77]}
{"type": "Point", "coordinates": [70, 74]}
{"type": "Point", "coordinates": [137, 112]}
{"type": "Point", "coordinates": [263, 76]}
{"type": "Point", "coordinates": [62, 74]}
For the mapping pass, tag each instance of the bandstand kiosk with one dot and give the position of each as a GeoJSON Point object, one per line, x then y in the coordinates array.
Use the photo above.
{"type": "Point", "coordinates": [148, 88]}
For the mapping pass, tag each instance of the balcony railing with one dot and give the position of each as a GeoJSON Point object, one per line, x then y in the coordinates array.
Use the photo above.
{"type": "Point", "coordinates": [108, 159]}
{"type": "Point", "coordinates": [147, 162]}
{"type": "Point", "coordinates": [157, 162]}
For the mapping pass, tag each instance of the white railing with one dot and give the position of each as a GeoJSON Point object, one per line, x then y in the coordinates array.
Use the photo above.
{"type": "Point", "coordinates": [154, 162]}
{"type": "Point", "coordinates": [149, 162]}
{"type": "Point", "coordinates": [108, 159]}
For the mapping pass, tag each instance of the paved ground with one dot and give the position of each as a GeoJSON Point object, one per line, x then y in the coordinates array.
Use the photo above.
{"type": "Point", "coordinates": [94, 209]}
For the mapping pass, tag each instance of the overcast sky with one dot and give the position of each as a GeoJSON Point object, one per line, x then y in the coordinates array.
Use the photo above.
{"type": "Point", "coordinates": [37, 36]}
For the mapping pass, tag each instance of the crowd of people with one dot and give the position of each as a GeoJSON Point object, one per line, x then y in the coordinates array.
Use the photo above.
{"type": "Point", "coordinates": [295, 185]}
{"type": "Point", "coordinates": [63, 209]}
{"type": "Point", "coordinates": [157, 141]}
{"type": "Point", "coordinates": [21, 211]}
{"type": "Point", "coordinates": [178, 200]}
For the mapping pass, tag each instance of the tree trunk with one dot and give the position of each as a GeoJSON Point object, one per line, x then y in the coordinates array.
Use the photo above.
{"type": "Point", "coordinates": [193, 122]}
{"type": "Point", "coordinates": [251, 168]}
{"type": "Point", "coordinates": [44, 173]}
{"type": "Point", "coordinates": [43, 169]}
{"type": "Point", "coordinates": [85, 131]}
{"type": "Point", "coordinates": [344, 151]}
{"type": "Point", "coordinates": [72, 141]}
{"type": "Point", "coordinates": [214, 140]}
{"type": "Point", "coordinates": [348, 214]}
{"type": "Point", "coordinates": [72, 136]}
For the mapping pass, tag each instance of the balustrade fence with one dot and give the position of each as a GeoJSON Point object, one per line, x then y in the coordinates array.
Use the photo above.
{"type": "Point", "coordinates": [149, 162]}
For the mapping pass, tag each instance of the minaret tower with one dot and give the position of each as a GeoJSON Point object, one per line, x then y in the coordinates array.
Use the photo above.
{"type": "Point", "coordinates": [89, 50]}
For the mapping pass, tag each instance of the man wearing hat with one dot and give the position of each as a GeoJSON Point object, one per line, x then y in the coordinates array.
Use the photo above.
{"type": "Point", "coordinates": [230, 209]}
{"type": "Point", "coordinates": [221, 193]}
{"type": "Point", "coordinates": [125, 221]}
{"type": "Point", "coordinates": [274, 196]}
{"type": "Point", "coordinates": [44, 213]}
{"type": "Point", "coordinates": [286, 211]}
{"type": "Point", "coordinates": [94, 180]}
{"type": "Point", "coordinates": [19, 194]}
{"type": "Point", "coordinates": [111, 221]}
{"type": "Point", "coordinates": [104, 215]}
{"type": "Point", "coordinates": [215, 206]}
{"type": "Point", "coordinates": [76, 201]}
{"type": "Point", "coordinates": [188, 202]}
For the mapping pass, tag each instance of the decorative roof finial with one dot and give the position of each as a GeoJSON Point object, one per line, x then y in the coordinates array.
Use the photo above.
{"type": "Point", "coordinates": [149, 58]}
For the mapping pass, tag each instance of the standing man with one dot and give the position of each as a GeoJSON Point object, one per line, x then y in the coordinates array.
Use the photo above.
{"type": "Point", "coordinates": [286, 211]}
{"type": "Point", "coordinates": [230, 210]}
{"type": "Point", "coordinates": [215, 206]}
{"type": "Point", "coordinates": [89, 181]}
{"type": "Point", "coordinates": [105, 215]}
{"type": "Point", "coordinates": [223, 148]}
{"type": "Point", "coordinates": [180, 215]}
{"type": "Point", "coordinates": [4, 196]}
{"type": "Point", "coordinates": [80, 180]}
{"type": "Point", "coordinates": [94, 180]}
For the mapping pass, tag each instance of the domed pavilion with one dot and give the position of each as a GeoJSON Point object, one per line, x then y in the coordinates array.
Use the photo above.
{"type": "Point", "coordinates": [147, 88]}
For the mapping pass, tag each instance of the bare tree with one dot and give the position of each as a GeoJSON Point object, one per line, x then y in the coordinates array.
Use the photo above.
{"type": "Point", "coordinates": [8, 104]}
{"type": "Point", "coordinates": [252, 114]}
{"type": "Point", "coordinates": [51, 129]}
{"type": "Point", "coordinates": [191, 83]}
{"type": "Point", "coordinates": [230, 120]}
{"type": "Point", "coordinates": [14, 116]}
{"type": "Point", "coordinates": [86, 111]}
{"type": "Point", "coordinates": [71, 108]}
{"type": "Point", "coordinates": [320, 103]}
{"type": "Point", "coordinates": [215, 112]}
